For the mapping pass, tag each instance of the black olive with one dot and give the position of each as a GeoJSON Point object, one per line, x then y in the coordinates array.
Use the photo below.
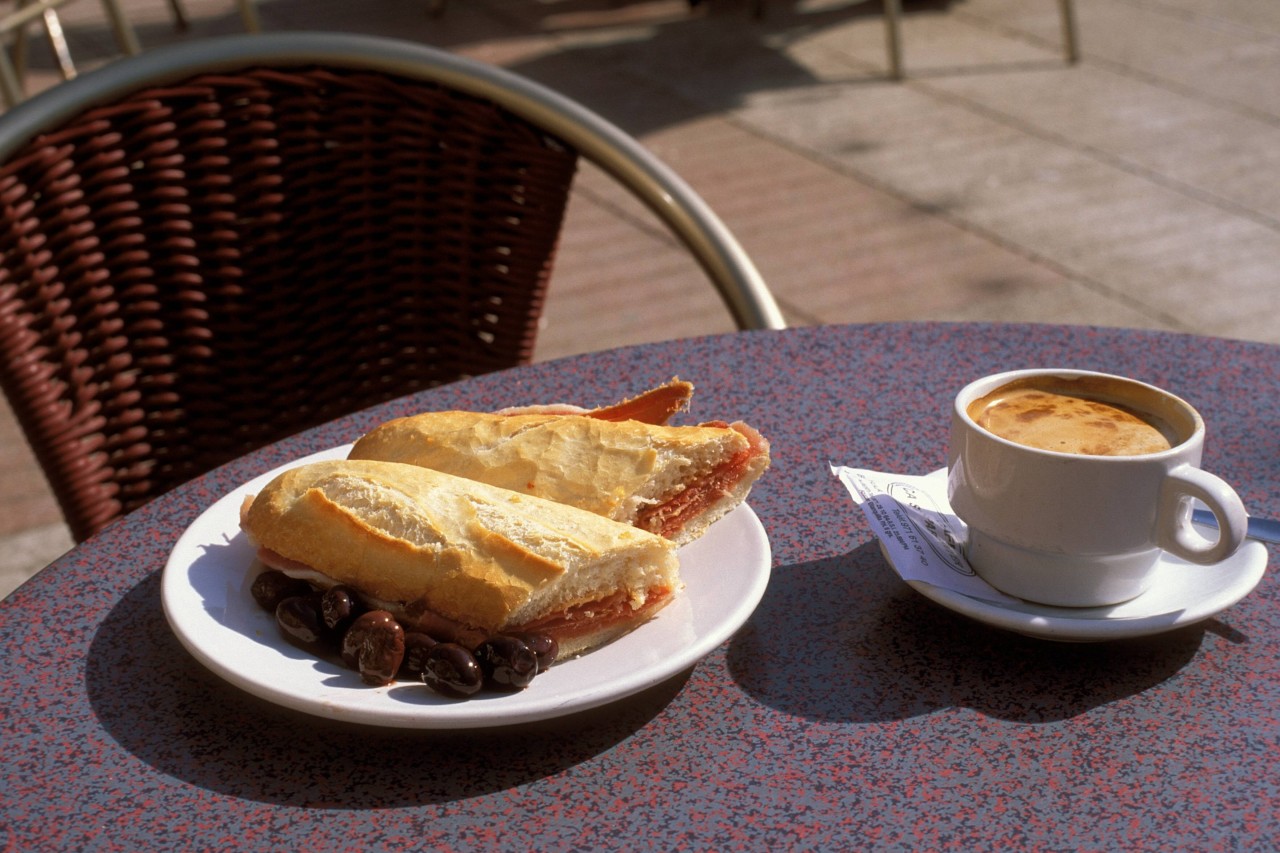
{"type": "Point", "coordinates": [416, 646]}
{"type": "Point", "coordinates": [543, 646]}
{"type": "Point", "coordinates": [374, 645]}
{"type": "Point", "coordinates": [507, 662]}
{"type": "Point", "coordinates": [452, 671]}
{"type": "Point", "coordinates": [273, 586]}
{"type": "Point", "coordinates": [339, 606]}
{"type": "Point", "coordinates": [299, 621]}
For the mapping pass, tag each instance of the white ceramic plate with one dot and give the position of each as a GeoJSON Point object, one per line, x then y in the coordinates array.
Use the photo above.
{"type": "Point", "coordinates": [1181, 594]}
{"type": "Point", "coordinates": [205, 592]}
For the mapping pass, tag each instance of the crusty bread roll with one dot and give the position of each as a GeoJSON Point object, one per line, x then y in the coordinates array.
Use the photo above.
{"type": "Point", "coordinates": [670, 480]}
{"type": "Point", "coordinates": [482, 556]}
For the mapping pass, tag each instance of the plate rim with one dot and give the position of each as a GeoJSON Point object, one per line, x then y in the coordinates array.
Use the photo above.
{"type": "Point", "coordinates": [469, 714]}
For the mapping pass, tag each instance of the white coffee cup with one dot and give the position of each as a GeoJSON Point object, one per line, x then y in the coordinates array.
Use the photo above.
{"type": "Point", "coordinates": [1074, 528]}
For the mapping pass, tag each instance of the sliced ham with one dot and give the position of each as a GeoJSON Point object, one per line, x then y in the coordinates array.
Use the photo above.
{"type": "Point", "coordinates": [669, 517]}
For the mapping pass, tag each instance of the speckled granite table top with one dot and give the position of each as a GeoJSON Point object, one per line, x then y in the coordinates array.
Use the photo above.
{"type": "Point", "coordinates": [848, 712]}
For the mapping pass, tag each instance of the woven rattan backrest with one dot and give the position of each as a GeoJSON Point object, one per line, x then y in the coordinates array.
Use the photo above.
{"type": "Point", "coordinates": [197, 270]}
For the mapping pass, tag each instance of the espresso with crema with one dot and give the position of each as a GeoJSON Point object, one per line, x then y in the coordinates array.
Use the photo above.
{"type": "Point", "coordinates": [1071, 416]}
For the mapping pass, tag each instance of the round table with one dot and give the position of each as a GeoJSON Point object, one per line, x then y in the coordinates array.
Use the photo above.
{"type": "Point", "coordinates": [849, 711]}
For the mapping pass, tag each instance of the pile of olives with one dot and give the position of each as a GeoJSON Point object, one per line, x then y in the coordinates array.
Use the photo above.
{"type": "Point", "coordinates": [335, 621]}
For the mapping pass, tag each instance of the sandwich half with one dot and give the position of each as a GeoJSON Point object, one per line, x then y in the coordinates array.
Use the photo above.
{"type": "Point", "coordinates": [438, 550]}
{"type": "Point", "coordinates": [673, 481]}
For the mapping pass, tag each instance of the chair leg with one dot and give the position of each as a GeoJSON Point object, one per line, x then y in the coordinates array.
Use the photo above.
{"type": "Point", "coordinates": [125, 37]}
{"type": "Point", "coordinates": [58, 44]}
{"type": "Point", "coordinates": [180, 20]}
{"type": "Point", "coordinates": [893, 36]}
{"type": "Point", "coordinates": [20, 51]}
{"type": "Point", "coordinates": [10, 81]}
{"type": "Point", "coordinates": [1070, 32]}
{"type": "Point", "coordinates": [249, 14]}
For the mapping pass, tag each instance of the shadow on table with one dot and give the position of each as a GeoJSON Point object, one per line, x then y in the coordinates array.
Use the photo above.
{"type": "Point", "coordinates": [169, 711]}
{"type": "Point", "coordinates": [844, 639]}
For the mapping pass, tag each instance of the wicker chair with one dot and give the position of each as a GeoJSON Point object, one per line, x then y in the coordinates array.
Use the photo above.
{"type": "Point", "coordinates": [210, 247]}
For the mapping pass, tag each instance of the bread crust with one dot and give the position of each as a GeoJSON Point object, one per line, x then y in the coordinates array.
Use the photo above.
{"type": "Point", "coordinates": [613, 469]}
{"type": "Point", "coordinates": [474, 553]}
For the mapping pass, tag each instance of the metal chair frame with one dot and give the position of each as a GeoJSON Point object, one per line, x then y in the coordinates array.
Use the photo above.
{"type": "Point", "coordinates": [893, 35]}
{"type": "Point", "coordinates": [893, 30]}
{"type": "Point", "coordinates": [24, 13]}
{"type": "Point", "coordinates": [248, 14]}
{"type": "Point", "coordinates": [12, 68]}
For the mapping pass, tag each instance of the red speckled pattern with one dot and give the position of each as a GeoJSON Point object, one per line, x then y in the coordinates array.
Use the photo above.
{"type": "Point", "coordinates": [849, 712]}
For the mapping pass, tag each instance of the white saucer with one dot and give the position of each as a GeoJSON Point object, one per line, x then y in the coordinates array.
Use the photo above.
{"type": "Point", "coordinates": [1181, 593]}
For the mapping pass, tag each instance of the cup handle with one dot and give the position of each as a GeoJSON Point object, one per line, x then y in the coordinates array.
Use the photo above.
{"type": "Point", "coordinates": [1179, 537]}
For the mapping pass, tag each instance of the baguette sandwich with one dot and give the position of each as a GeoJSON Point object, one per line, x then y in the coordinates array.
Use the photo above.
{"type": "Point", "coordinates": [438, 550]}
{"type": "Point", "coordinates": [673, 481]}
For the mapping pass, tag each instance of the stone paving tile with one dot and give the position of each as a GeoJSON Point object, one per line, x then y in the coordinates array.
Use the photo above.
{"type": "Point", "coordinates": [1154, 247]}
{"type": "Point", "coordinates": [1224, 155]}
{"type": "Point", "coordinates": [26, 552]}
{"type": "Point", "coordinates": [1219, 59]}
{"type": "Point", "coordinates": [25, 500]}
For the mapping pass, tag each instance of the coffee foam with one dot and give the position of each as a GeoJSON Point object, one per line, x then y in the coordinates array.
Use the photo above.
{"type": "Point", "coordinates": [1071, 416]}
